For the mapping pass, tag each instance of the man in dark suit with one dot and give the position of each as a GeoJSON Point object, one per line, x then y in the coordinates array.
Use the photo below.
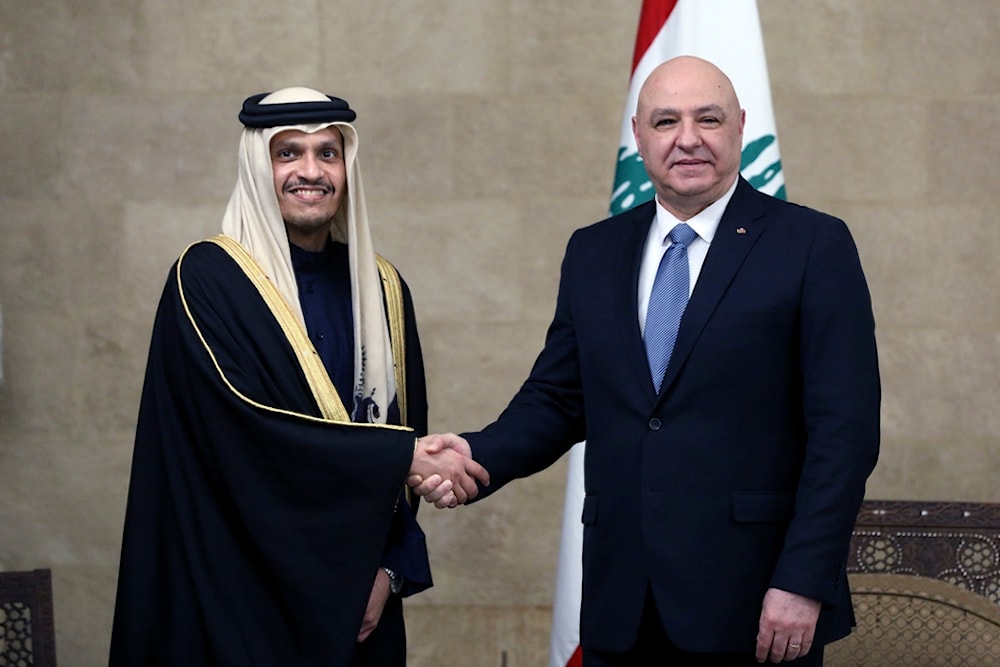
{"type": "Point", "coordinates": [720, 492]}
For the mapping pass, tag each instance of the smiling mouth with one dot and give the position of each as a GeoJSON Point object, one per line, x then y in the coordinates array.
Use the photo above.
{"type": "Point", "coordinates": [309, 191]}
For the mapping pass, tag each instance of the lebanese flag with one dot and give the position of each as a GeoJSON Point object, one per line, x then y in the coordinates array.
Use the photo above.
{"type": "Point", "coordinates": [727, 33]}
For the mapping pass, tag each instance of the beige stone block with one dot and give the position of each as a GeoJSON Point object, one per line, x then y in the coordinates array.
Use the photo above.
{"type": "Point", "coordinates": [61, 317]}
{"type": "Point", "coordinates": [538, 145]}
{"type": "Point", "coordinates": [947, 48]}
{"type": "Point", "coordinates": [431, 46]}
{"type": "Point", "coordinates": [965, 166]}
{"type": "Point", "coordinates": [155, 234]}
{"type": "Point", "coordinates": [57, 46]}
{"type": "Point", "coordinates": [482, 262]}
{"type": "Point", "coordinates": [405, 148]}
{"type": "Point", "coordinates": [940, 383]}
{"type": "Point", "coordinates": [954, 468]}
{"type": "Point", "coordinates": [31, 156]}
{"type": "Point", "coordinates": [569, 147]}
{"type": "Point", "coordinates": [34, 395]}
{"type": "Point", "coordinates": [821, 47]}
{"type": "Point", "coordinates": [150, 148]}
{"type": "Point", "coordinates": [547, 224]}
{"type": "Point", "coordinates": [473, 635]}
{"type": "Point", "coordinates": [457, 258]}
{"type": "Point", "coordinates": [930, 265]}
{"type": "Point", "coordinates": [582, 48]}
{"type": "Point", "coordinates": [474, 369]}
{"type": "Point", "coordinates": [205, 47]}
{"type": "Point", "coordinates": [77, 519]}
{"type": "Point", "coordinates": [45, 251]}
{"type": "Point", "coordinates": [484, 164]}
{"type": "Point", "coordinates": [837, 147]}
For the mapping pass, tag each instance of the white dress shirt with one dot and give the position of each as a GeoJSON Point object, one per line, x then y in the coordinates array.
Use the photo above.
{"type": "Point", "coordinates": [704, 223]}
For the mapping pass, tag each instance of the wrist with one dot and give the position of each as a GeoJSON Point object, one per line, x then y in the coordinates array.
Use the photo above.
{"type": "Point", "coordinates": [395, 580]}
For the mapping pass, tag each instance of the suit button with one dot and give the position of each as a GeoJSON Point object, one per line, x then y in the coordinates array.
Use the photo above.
{"type": "Point", "coordinates": [655, 424]}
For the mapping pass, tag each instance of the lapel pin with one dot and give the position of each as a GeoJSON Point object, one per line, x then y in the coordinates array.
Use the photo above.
{"type": "Point", "coordinates": [741, 230]}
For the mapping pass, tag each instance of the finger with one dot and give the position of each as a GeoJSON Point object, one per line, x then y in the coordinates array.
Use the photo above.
{"type": "Point", "coordinates": [414, 481]}
{"type": "Point", "coordinates": [446, 501]}
{"type": "Point", "coordinates": [779, 648]}
{"type": "Point", "coordinates": [432, 444]}
{"type": "Point", "coordinates": [436, 443]}
{"type": "Point", "coordinates": [475, 469]}
{"type": "Point", "coordinates": [441, 441]}
{"type": "Point", "coordinates": [466, 487]}
{"type": "Point", "coordinates": [807, 644]}
{"type": "Point", "coordinates": [428, 485]}
{"type": "Point", "coordinates": [461, 494]}
{"type": "Point", "coordinates": [763, 646]}
{"type": "Point", "coordinates": [794, 650]}
{"type": "Point", "coordinates": [443, 489]}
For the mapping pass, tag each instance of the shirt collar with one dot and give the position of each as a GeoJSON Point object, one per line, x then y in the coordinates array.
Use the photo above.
{"type": "Point", "coordinates": [704, 223]}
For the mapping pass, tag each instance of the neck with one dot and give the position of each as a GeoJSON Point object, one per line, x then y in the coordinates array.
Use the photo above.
{"type": "Point", "coordinates": [685, 208]}
{"type": "Point", "coordinates": [314, 241]}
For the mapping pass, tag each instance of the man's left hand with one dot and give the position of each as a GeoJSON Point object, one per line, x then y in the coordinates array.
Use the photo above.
{"type": "Point", "coordinates": [376, 603]}
{"type": "Point", "coordinates": [787, 626]}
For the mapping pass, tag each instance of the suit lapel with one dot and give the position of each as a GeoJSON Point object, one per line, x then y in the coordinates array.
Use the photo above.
{"type": "Point", "coordinates": [740, 227]}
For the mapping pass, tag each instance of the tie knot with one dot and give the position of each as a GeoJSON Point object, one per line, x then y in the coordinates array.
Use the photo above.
{"type": "Point", "coordinates": [682, 234]}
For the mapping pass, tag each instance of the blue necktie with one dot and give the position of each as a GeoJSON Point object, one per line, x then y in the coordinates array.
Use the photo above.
{"type": "Point", "coordinates": [667, 302]}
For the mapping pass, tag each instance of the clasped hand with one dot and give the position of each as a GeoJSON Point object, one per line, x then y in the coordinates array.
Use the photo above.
{"type": "Point", "coordinates": [443, 471]}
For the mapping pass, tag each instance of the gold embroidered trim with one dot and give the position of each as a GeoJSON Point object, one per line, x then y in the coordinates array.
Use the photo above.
{"type": "Point", "coordinates": [227, 243]}
{"type": "Point", "coordinates": [393, 289]}
{"type": "Point", "coordinates": [319, 381]}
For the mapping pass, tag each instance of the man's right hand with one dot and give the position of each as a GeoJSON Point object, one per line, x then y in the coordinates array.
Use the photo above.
{"type": "Point", "coordinates": [443, 471]}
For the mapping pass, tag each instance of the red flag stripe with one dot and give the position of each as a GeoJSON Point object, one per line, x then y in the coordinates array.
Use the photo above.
{"type": "Point", "coordinates": [652, 16]}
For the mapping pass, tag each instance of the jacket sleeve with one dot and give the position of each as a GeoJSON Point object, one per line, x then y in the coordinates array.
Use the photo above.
{"type": "Point", "coordinates": [841, 399]}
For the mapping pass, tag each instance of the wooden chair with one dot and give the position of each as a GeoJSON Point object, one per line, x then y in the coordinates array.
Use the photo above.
{"type": "Point", "coordinates": [925, 578]}
{"type": "Point", "coordinates": [27, 626]}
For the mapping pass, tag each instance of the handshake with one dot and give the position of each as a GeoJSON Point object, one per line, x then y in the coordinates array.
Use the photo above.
{"type": "Point", "coordinates": [443, 472]}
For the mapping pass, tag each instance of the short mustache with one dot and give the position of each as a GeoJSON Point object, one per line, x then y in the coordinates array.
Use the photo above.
{"type": "Point", "coordinates": [324, 185]}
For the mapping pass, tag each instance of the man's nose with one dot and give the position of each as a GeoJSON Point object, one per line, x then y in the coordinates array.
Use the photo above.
{"type": "Point", "coordinates": [309, 167]}
{"type": "Point", "coordinates": [689, 134]}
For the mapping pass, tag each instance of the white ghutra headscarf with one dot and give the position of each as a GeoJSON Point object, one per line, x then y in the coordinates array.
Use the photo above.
{"type": "Point", "coordinates": [253, 218]}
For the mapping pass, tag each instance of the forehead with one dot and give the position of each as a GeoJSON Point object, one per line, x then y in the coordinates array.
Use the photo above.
{"type": "Point", "coordinates": [327, 137]}
{"type": "Point", "coordinates": [688, 86]}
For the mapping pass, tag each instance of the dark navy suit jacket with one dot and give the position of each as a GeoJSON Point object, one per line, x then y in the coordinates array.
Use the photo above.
{"type": "Point", "coordinates": [748, 469]}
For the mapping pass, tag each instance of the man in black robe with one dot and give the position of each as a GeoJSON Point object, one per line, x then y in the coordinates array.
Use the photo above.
{"type": "Point", "coordinates": [267, 522]}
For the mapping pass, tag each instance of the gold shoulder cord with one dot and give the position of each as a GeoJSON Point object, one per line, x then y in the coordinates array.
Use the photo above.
{"type": "Point", "coordinates": [319, 381]}
{"type": "Point", "coordinates": [394, 304]}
